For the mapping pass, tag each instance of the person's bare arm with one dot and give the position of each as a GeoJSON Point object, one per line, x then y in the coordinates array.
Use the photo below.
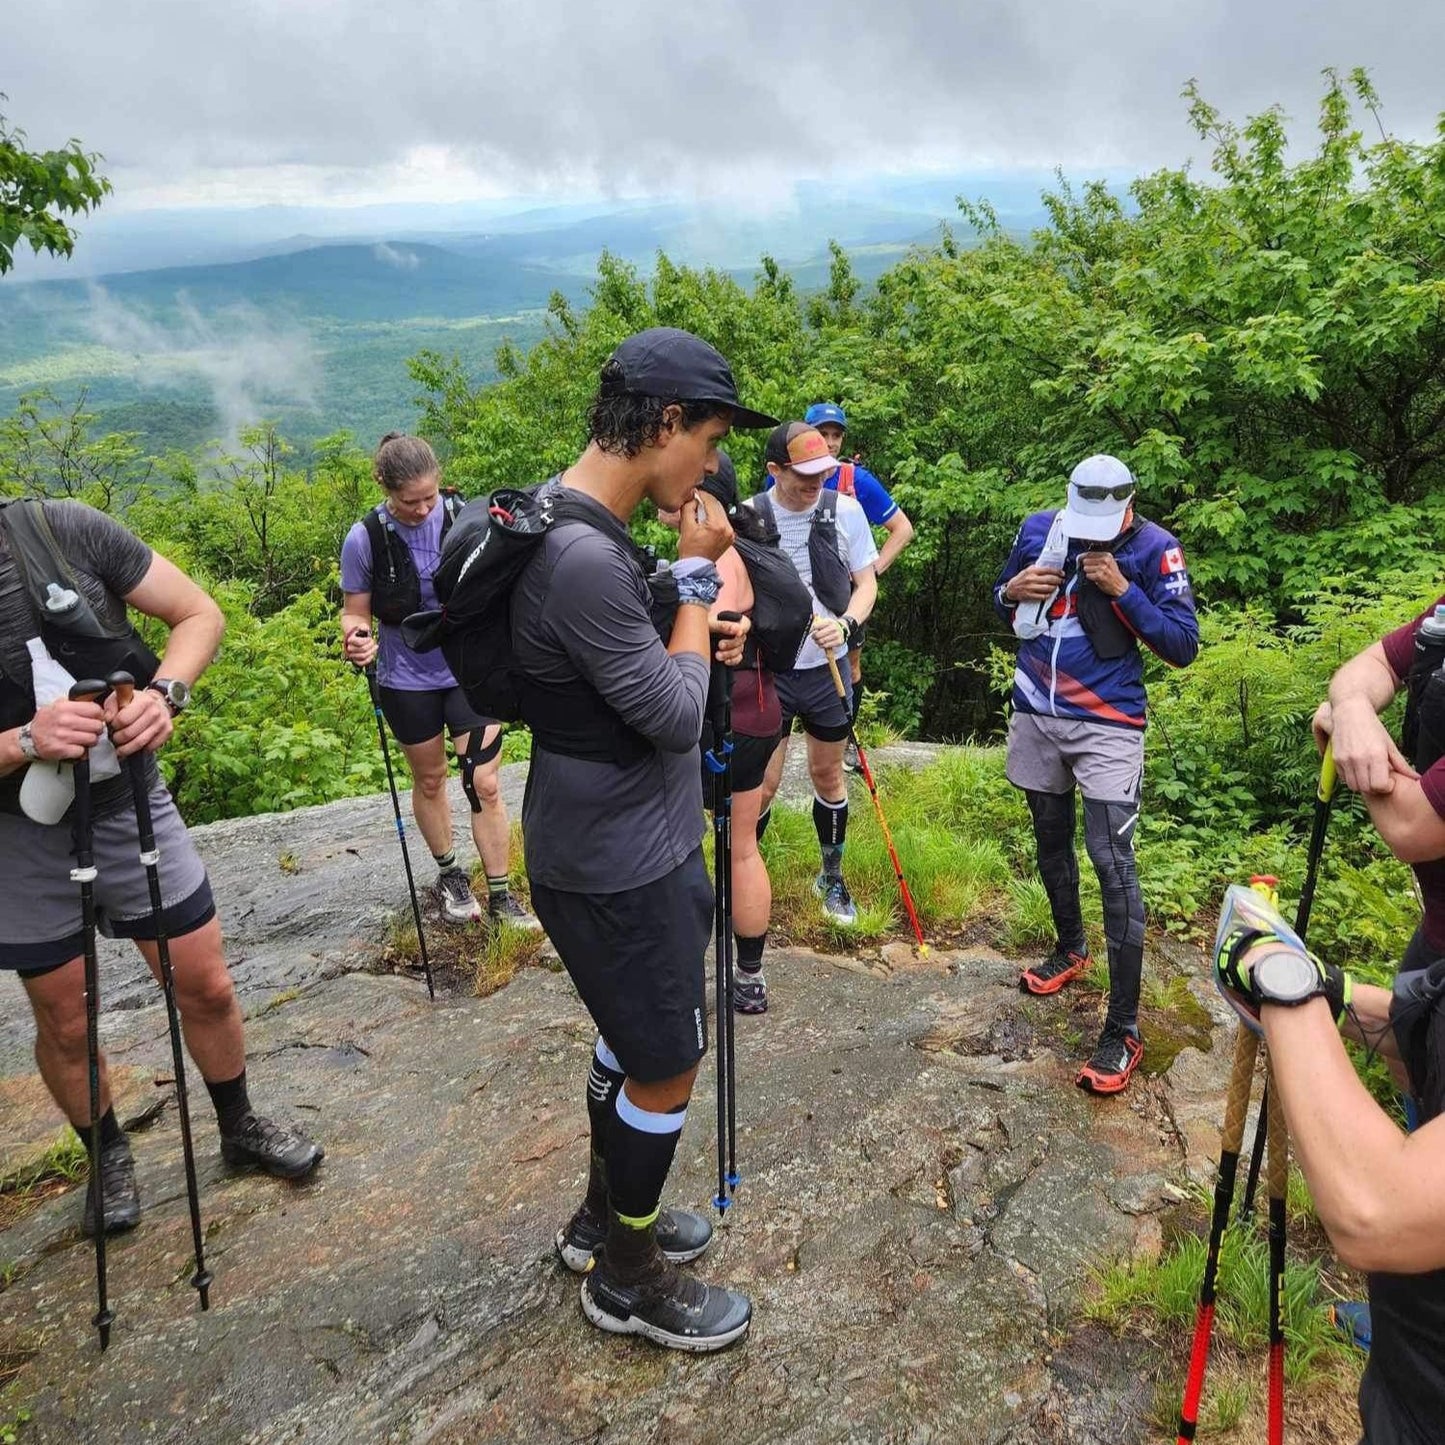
{"type": "Point", "coordinates": [1380, 1192]}
{"type": "Point", "coordinates": [196, 626]}
{"type": "Point", "coordinates": [827, 633]}
{"type": "Point", "coordinates": [1366, 757]}
{"type": "Point", "coordinates": [900, 534]}
{"type": "Point", "coordinates": [356, 620]}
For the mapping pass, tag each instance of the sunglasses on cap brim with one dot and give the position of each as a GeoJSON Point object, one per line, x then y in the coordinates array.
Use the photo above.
{"type": "Point", "coordinates": [1121, 493]}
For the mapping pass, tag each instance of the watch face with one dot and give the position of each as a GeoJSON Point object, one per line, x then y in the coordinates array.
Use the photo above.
{"type": "Point", "coordinates": [1286, 977]}
{"type": "Point", "coordinates": [180, 693]}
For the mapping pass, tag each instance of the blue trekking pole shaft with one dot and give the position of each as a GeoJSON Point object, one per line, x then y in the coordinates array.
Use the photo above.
{"type": "Point", "coordinates": [374, 688]}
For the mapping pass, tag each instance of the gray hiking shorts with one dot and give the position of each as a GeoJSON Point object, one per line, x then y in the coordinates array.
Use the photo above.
{"type": "Point", "coordinates": [1051, 754]}
{"type": "Point", "coordinates": [40, 926]}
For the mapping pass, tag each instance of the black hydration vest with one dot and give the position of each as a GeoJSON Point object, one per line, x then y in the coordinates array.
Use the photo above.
{"type": "Point", "coordinates": [1108, 635]}
{"type": "Point", "coordinates": [74, 634]}
{"type": "Point", "coordinates": [832, 580]}
{"type": "Point", "coordinates": [1422, 736]}
{"type": "Point", "coordinates": [395, 586]}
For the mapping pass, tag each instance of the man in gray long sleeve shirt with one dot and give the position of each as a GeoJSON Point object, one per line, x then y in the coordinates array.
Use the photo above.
{"type": "Point", "coordinates": [613, 815]}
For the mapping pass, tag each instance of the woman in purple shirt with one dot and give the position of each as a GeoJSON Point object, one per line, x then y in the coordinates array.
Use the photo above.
{"type": "Point", "coordinates": [387, 564]}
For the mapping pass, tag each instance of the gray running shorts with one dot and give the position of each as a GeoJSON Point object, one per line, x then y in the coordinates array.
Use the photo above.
{"type": "Point", "coordinates": [1051, 754]}
{"type": "Point", "coordinates": [40, 925]}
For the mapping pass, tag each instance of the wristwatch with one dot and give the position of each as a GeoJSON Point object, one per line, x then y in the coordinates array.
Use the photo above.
{"type": "Point", "coordinates": [176, 693]}
{"type": "Point", "coordinates": [1287, 978]}
{"type": "Point", "coordinates": [26, 740]}
{"type": "Point", "coordinates": [850, 625]}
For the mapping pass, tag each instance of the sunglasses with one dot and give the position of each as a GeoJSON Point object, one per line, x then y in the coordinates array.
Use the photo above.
{"type": "Point", "coordinates": [1121, 493]}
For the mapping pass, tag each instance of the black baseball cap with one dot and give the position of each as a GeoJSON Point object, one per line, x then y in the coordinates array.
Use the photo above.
{"type": "Point", "coordinates": [678, 366]}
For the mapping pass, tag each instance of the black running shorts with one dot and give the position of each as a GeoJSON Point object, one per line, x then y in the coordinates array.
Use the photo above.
{"type": "Point", "coordinates": [808, 693]}
{"type": "Point", "coordinates": [636, 958]}
{"type": "Point", "coordinates": [417, 717]}
{"type": "Point", "coordinates": [749, 762]}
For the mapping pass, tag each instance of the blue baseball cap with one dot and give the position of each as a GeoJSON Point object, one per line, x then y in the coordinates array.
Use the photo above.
{"type": "Point", "coordinates": [825, 413]}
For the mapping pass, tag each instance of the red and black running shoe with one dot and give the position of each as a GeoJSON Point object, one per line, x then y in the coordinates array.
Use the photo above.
{"type": "Point", "coordinates": [1113, 1062]}
{"type": "Point", "coordinates": [1054, 972]}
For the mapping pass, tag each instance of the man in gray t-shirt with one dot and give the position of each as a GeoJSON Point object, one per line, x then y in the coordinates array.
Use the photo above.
{"type": "Point", "coordinates": [41, 931]}
{"type": "Point", "coordinates": [613, 814]}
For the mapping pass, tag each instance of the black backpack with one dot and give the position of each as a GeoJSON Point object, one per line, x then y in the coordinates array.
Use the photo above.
{"type": "Point", "coordinates": [782, 614]}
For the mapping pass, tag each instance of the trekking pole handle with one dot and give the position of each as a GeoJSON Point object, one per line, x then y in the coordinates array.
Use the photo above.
{"type": "Point", "coordinates": [1327, 773]}
{"type": "Point", "coordinates": [832, 663]}
{"type": "Point", "coordinates": [90, 689]}
{"type": "Point", "coordinates": [122, 684]}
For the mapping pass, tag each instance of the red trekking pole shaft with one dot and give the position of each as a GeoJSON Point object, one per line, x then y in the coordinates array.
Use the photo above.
{"type": "Point", "coordinates": [878, 808]}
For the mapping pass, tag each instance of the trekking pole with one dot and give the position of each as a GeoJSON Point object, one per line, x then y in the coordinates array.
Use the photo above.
{"type": "Point", "coordinates": [1324, 795]}
{"type": "Point", "coordinates": [1236, 1107]}
{"type": "Point", "coordinates": [718, 760]}
{"type": "Point", "coordinates": [878, 808]}
{"type": "Point", "coordinates": [123, 685]}
{"type": "Point", "coordinates": [91, 690]}
{"type": "Point", "coordinates": [1278, 1185]}
{"type": "Point", "coordinates": [374, 689]}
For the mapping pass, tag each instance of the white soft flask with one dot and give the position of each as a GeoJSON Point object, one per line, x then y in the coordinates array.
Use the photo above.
{"type": "Point", "coordinates": [1031, 619]}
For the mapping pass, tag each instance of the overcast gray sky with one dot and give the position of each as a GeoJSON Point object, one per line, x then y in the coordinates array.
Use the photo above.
{"type": "Point", "coordinates": [248, 101]}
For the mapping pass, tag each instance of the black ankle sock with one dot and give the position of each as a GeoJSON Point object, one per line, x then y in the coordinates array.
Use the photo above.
{"type": "Point", "coordinates": [110, 1130]}
{"type": "Point", "coordinates": [231, 1101]}
{"type": "Point", "coordinates": [604, 1079]}
{"type": "Point", "coordinates": [446, 860]}
{"type": "Point", "coordinates": [750, 952]}
{"type": "Point", "coordinates": [764, 818]}
{"type": "Point", "coordinates": [830, 822]}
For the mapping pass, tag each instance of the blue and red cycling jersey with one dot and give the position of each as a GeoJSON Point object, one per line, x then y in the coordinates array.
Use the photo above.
{"type": "Point", "coordinates": [1059, 674]}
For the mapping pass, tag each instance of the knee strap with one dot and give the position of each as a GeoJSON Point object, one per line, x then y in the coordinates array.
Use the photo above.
{"type": "Point", "coordinates": [476, 755]}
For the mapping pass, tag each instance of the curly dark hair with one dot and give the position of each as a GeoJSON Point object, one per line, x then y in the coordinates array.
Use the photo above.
{"type": "Point", "coordinates": [624, 422]}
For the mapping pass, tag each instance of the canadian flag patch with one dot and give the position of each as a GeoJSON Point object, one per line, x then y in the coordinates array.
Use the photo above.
{"type": "Point", "coordinates": [1171, 562]}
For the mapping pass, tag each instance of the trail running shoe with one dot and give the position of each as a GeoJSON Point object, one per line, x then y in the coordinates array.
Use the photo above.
{"type": "Point", "coordinates": [850, 756]}
{"type": "Point", "coordinates": [257, 1143]}
{"type": "Point", "coordinates": [1054, 972]}
{"type": "Point", "coordinates": [117, 1192]}
{"type": "Point", "coordinates": [1113, 1062]}
{"type": "Point", "coordinates": [837, 901]}
{"type": "Point", "coordinates": [667, 1307]}
{"type": "Point", "coordinates": [459, 904]}
{"type": "Point", "coordinates": [750, 993]}
{"type": "Point", "coordinates": [507, 909]}
{"type": "Point", "coordinates": [681, 1235]}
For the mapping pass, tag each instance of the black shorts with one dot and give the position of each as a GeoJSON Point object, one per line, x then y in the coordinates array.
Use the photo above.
{"type": "Point", "coordinates": [636, 958]}
{"type": "Point", "coordinates": [417, 717]}
{"type": "Point", "coordinates": [749, 762]}
{"type": "Point", "coordinates": [808, 693]}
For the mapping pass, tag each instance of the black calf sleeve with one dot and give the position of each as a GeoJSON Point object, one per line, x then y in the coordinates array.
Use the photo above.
{"type": "Point", "coordinates": [1053, 815]}
{"type": "Point", "coordinates": [1109, 837]}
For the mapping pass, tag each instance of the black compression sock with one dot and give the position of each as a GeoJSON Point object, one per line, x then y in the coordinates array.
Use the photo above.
{"type": "Point", "coordinates": [640, 1146]}
{"type": "Point", "coordinates": [764, 818]}
{"type": "Point", "coordinates": [604, 1080]}
{"type": "Point", "coordinates": [750, 952]}
{"type": "Point", "coordinates": [110, 1130]}
{"type": "Point", "coordinates": [830, 822]}
{"type": "Point", "coordinates": [231, 1101]}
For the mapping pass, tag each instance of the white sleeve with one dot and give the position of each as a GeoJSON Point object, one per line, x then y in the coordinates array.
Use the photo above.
{"type": "Point", "coordinates": [857, 535]}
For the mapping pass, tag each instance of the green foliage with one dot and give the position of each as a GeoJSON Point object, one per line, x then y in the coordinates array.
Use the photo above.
{"type": "Point", "coordinates": [38, 189]}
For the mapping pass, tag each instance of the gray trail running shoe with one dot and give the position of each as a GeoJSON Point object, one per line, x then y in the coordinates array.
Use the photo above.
{"type": "Point", "coordinates": [850, 756]}
{"type": "Point", "coordinates": [667, 1307]}
{"type": "Point", "coordinates": [750, 993]}
{"type": "Point", "coordinates": [837, 901]}
{"type": "Point", "coordinates": [117, 1192]}
{"type": "Point", "coordinates": [459, 904]}
{"type": "Point", "coordinates": [258, 1143]}
{"type": "Point", "coordinates": [508, 909]}
{"type": "Point", "coordinates": [681, 1235]}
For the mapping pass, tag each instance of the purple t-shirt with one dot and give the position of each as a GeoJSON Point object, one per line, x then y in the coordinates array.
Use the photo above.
{"type": "Point", "coordinates": [396, 664]}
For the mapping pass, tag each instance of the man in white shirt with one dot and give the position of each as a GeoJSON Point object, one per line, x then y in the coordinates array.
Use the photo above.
{"type": "Point", "coordinates": [831, 544]}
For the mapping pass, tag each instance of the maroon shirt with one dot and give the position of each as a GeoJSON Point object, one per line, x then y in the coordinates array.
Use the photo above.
{"type": "Point", "coordinates": [1399, 648]}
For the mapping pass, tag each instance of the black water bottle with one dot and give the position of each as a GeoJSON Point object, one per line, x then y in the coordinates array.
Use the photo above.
{"type": "Point", "coordinates": [1423, 735]}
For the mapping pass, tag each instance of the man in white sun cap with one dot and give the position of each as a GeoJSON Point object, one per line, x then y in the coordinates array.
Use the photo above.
{"type": "Point", "coordinates": [1082, 588]}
